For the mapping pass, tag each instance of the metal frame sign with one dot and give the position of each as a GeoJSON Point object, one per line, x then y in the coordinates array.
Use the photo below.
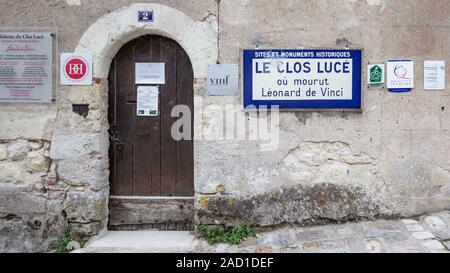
{"type": "Point", "coordinates": [400, 75]}
{"type": "Point", "coordinates": [150, 73]}
{"type": "Point", "coordinates": [26, 72]}
{"type": "Point", "coordinates": [222, 79]}
{"type": "Point", "coordinates": [302, 78]}
{"type": "Point", "coordinates": [375, 73]}
{"type": "Point", "coordinates": [76, 69]}
{"type": "Point", "coordinates": [145, 16]}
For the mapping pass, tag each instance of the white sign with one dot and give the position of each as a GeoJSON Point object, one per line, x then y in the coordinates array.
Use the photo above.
{"type": "Point", "coordinates": [26, 66]}
{"type": "Point", "coordinates": [400, 75]}
{"type": "Point", "coordinates": [147, 101]}
{"type": "Point", "coordinates": [222, 79]}
{"type": "Point", "coordinates": [434, 75]}
{"type": "Point", "coordinates": [150, 73]}
{"type": "Point", "coordinates": [321, 79]}
{"type": "Point", "coordinates": [76, 69]}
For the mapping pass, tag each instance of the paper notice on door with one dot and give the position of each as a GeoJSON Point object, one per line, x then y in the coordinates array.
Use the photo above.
{"type": "Point", "coordinates": [434, 75]}
{"type": "Point", "coordinates": [147, 101]}
{"type": "Point", "coordinates": [150, 73]}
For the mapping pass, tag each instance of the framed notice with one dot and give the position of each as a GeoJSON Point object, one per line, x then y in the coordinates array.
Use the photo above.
{"type": "Point", "coordinates": [26, 73]}
{"type": "Point", "coordinates": [302, 79]}
{"type": "Point", "coordinates": [150, 73]}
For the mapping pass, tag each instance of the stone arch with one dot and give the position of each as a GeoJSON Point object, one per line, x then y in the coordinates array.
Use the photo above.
{"type": "Point", "coordinates": [109, 33]}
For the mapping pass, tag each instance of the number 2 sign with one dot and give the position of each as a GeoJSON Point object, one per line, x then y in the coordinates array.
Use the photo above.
{"type": "Point", "coordinates": [145, 16]}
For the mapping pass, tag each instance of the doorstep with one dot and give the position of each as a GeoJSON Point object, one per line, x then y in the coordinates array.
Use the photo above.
{"type": "Point", "coordinates": [145, 241]}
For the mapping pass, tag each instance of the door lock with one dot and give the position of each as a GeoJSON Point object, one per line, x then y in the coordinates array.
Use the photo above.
{"type": "Point", "coordinates": [114, 137]}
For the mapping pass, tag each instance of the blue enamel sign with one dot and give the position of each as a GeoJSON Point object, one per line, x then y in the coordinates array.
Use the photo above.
{"type": "Point", "coordinates": [145, 16]}
{"type": "Point", "coordinates": [302, 79]}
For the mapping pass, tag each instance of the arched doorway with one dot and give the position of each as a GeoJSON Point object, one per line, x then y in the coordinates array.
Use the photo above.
{"type": "Point", "coordinates": [151, 174]}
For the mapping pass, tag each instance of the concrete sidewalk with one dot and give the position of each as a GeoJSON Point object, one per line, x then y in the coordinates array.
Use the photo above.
{"type": "Point", "coordinates": [430, 233]}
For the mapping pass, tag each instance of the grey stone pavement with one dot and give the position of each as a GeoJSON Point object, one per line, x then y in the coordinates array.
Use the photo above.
{"type": "Point", "coordinates": [428, 233]}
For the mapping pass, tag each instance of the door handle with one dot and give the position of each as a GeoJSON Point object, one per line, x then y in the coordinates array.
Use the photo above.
{"type": "Point", "coordinates": [118, 145]}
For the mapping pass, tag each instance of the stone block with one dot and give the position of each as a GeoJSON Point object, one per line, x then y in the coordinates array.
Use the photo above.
{"type": "Point", "coordinates": [297, 203]}
{"type": "Point", "coordinates": [311, 235]}
{"type": "Point", "coordinates": [423, 235]}
{"type": "Point", "coordinates": [82, 231]}
{"type": "Point", "coordinates": [444, 104]}
{"type": "Point", "coordinates": [446, 47]}
{"type": "Point", "coordinates": [29, 121]}
{"type": "Point", "coordinates": [38, 162]}
{"type": "Point", "coordinates": [433, 245]}
{"type": "Point", "coordinates": [394, 13]}
{"type": "Point", "coordinates": [434, 222]}
{"type": "Point", "coordinates": [93, 173]}
{"type": "Point", "coordinates": [396, 146]}
{"type": "Point", "coordinates": [374, 246]}
{"type": "Point", "coordinates": [431, 12]}
{"type": "Point", "coordinates": [396, 42]}
{"type": "Point", "coordinates": [16, 200]}
{"type": "Point", "coordinates": [79, 146]}
{"type": "Point", "coordinates": [86, 206]}
{"type": "Point", "coordinates": [287, 239]}
{"type": "Point", "coordinates": [423, 147]}
{"type": "Point", "coordinates": [35, 144]}
{"type": "Point", "coordinates": [30, 233]}
{"type": "Point", "coordinates": [409, 221]}
{"type": "Point", "coordinates": [96, 95]}
{"type": "Point", "coordinates": [414, 227]}
{"type": "Point", "coordinates": [442, 234]}
{"type": "Point", "coordinates": [3, 152]}
{"type": "Point", "coordinates": [409, 246]}
{"type": "Point", "coordinates": [407, 112]}
{"type": "Point", "coordinates": [17, 150]}
{"type": "Point", "coordinates": [12, 171]}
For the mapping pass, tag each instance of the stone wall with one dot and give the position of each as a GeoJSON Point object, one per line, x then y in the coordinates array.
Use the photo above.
{"type": "Point", "coordinates": [31, 197]}
{"type": "Point", "coordinates": [389, 160]}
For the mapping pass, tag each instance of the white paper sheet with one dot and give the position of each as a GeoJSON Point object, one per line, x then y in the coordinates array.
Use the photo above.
{"type": "Point", "coordinates": [434, 75]}
{"type": "Point", "coordinates": [147, 101]}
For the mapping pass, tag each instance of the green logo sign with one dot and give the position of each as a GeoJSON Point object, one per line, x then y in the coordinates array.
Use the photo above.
{"type": "Point", "coordinates": [376, 74]}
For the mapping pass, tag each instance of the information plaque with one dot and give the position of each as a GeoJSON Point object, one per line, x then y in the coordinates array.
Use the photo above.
{"type": "Point", "coordinates": [26, 66]}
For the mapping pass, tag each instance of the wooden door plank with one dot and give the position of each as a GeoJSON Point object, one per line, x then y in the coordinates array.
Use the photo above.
{"type": "Point", "coordinates": [168, 101]}
{"type": "Point", "coordinates": [124, 87]}
{"type": "Point", "coordinates": [150, 211]}
{"type": "Point", "coordinates": [155, 127]}
{"type": "Point", "coordinates": [112, 122]}
{"type": "Point", "coordinates": [185, 147]}
{"type": "Point", "coordinates": [141, 135]}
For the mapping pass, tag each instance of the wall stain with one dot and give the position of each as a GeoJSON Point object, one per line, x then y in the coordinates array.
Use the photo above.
{"type": "Point", "coordinates": [324, 202]}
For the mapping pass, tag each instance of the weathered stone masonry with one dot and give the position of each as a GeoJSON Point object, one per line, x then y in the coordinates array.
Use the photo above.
{"type": "Point", "coordinates": [389, 160]}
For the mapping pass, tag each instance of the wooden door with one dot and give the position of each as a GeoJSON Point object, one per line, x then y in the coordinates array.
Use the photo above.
{"type": "Point", "coordinates": [151, 174]}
